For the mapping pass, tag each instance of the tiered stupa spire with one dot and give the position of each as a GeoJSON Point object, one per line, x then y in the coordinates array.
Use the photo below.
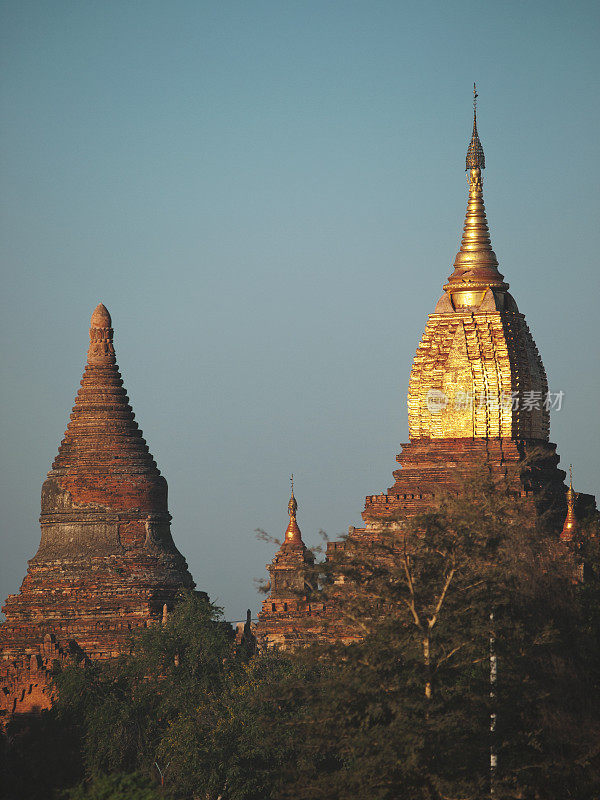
{"type": "Point", "coordinates": [106, 563]}
{"type": "Point", "coordinates": [477, 355]}
{"type": "Point", "coordinates": [292, 533]}
{"type": "Point", "coordinates": [475, 265]}
{"type": "Point", "coordinates": [103, 442]}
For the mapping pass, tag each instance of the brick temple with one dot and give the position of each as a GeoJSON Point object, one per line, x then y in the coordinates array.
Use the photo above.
{"type": "Point", "coordinates": [106, 563]}
{"type": "Point", "coordinates": [478, 397]}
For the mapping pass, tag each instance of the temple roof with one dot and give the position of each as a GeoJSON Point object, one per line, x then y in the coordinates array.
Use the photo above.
{"type": "Point", "coordinates": [103, 439]}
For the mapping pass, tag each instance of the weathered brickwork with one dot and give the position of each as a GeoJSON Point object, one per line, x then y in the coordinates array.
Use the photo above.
{"type": "Point", "coordinates": [431, 466]}
{"type": "Point", "coordinates": [25, 680]}
{"type": "Point", "coordinates": [106, 563]}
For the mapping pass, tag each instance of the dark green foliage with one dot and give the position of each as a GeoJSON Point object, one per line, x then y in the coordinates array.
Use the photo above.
{"type": "Point", "coordinates": [115, 787]}
{"type": "Point", "coordinates": [404, 714]}
{"type": "Point", "coordinates": [127, 709]}
{"type": "Point", "coordinates": [184, 709]}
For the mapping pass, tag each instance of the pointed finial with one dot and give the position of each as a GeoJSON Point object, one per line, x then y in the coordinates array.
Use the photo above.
{"type": "Point", "coordinates": [100, 317]}
{"type": "Point", "coordinates": [475, 155]}
{"type": "Point", "coordinates": [292, 505]}
{"type": "Point", "coordinates": [292, 533]}
{"type": "Point", "coordinates": [475, 265]}
{"type": "Point", "coordinates": [101, 351]}
{"type": "Point", "coordinates": [570, 527]}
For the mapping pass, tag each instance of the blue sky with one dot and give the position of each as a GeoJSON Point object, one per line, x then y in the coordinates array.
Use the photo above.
{"type": "Point", "coordinates": [268, 197]}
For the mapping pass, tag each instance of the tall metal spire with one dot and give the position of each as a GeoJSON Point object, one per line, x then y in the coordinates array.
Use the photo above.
{"type": "Point", "coordinates": [475, 265]}
{"type": "Point", "coordinates": [475, 154]}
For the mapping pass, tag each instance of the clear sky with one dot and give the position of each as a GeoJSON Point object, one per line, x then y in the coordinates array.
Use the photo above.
{"type": "Point", "coordinates": [268, 197]}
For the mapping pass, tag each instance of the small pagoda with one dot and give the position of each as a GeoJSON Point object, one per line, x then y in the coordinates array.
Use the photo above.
{"type": "Point", "coordinates": [292, 598]}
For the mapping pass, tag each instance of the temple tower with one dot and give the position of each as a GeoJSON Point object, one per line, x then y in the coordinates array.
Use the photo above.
{"type": "Point", "coordinates": [478, 394]}
{"type": "Point", "coordinates": [477, 398]}
{"type": "Point", "coordinates": [106, 563]}
{"type": "Point", "coordinates": [289, 589]}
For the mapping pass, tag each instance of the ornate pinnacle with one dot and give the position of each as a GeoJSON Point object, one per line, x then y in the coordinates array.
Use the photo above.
{"type": "Point", "coordinates": [292, 505]}
{"type": "Point", "coordinates": [475, 154]}
{"type": "Point", "coordinates": [570, 526]}
{"type": "Point", "coordinates": [475, 265]}
{"type": "Point", "coordinates": [292, 533]}
{"type": "Point", "coordinates": [101, 351]}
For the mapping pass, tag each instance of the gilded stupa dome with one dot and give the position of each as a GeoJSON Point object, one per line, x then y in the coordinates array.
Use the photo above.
{"type": "Point", "coordinates": [477, 372]}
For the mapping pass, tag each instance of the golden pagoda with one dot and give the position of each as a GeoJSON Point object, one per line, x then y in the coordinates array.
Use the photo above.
{"type": "Point", "coordinates": [478, 392]}
{"type": "Point", "coordinates": [477, 372]}
{"type": "Point", "coordinates": [477, 398]}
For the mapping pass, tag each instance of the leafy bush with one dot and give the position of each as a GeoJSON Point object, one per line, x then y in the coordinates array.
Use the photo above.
{"type": "Point", "coordinates": [115, 787]}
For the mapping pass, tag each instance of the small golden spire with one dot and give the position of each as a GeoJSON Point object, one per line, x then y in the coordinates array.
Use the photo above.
{"type": "Point", "coordinates": [292, 505]}
{"type": "Point", "coordinates": [570, 527]}
{"type": "Point", "coordinates": [292, 533]}
{"type": "Point", "coordinates": [475, 265]}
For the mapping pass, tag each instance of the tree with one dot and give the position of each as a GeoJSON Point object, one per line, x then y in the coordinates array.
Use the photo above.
{"type": "Point", "coordinates": [126, 708]}
{"type": "Point", "coordinates": [406, 712]}
{"type": "Point", "coordinates": [186, 708]}
{"type": "Point", "coordinates": [115, 787]}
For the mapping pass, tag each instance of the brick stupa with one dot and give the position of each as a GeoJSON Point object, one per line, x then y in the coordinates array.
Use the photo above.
{"type": "Point", "coordinates": [106, 563]}
{"type": "Point", "coordinates": [283, 613]}
{"type": "Point", "coordinates": [478, 398]}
